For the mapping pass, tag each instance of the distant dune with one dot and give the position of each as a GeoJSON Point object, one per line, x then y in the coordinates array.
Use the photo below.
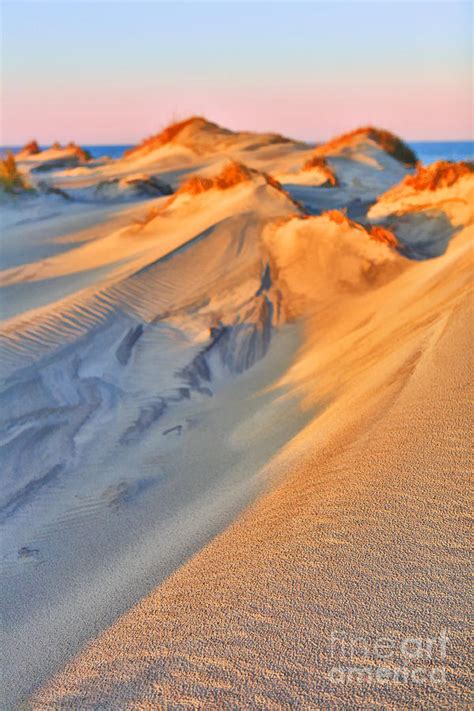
{"type": "Point", "coordinates": [236, 382]}
{"type": "Point", "coordinates": [386, 141]}
{"type": "Point", "coordinates": [204, 136]}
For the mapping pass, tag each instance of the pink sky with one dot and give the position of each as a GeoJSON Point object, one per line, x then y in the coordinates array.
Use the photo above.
{"type": "Point", "coordinates": [114, 73]}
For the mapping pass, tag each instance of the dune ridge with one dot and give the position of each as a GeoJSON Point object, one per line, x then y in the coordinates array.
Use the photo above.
{"type": "Point", "coordinates": [349, 488]}
{"type": "Point", "coordinates": [201, 135]}
{"type": "Point", "coordinates": [29, 149]}
{"type": "Point", "coordinates": [441, 174]}
{"type": "Point", "coordinates": [387, 141]}
{"type": "Point", "coordinates": [235, 417]}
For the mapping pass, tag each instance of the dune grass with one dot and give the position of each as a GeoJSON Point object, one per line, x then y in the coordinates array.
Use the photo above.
{"type": "Point", "coordinates": [11, 180]}
{"type": "Point", "coordinates": [166, 135]}
{"type": "Point", "coordinates": [322, 165]}
{"type": "Point", "coordinates": [232, 174]}
{"type": "Point", "coordinates": [441, 174]}
{"type": "Point", "coordinates": [31, 148]}
{"type": "Point", "coordinates": [387, 141]}
{"type": "Point", "coordinates": [378, 233]}
{"type": "Point", "coordinates": [384, 235]}
{"type": "Point", "coordinates": [81, 153]}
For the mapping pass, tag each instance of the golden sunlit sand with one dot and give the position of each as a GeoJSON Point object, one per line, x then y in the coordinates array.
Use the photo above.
{"type": "Point", "coordinates": [237, 381]}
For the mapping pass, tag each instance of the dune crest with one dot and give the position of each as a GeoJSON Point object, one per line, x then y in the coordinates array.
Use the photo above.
{"type": "Point", "coordinates": [384, 336]}
{"type": "Point", "coordinates": [29, 149]}
{"type": "Point", "coordinates": [321, 164]}
{"type": "Point", "coordinates": [12, 180]}
{"type": "Point", "coordinates": [53, 158]}
{"type": "Point", "coordinates": [316, 260]}
{"type": "Point", "coordinates": [232, 174]}
{"type": "Point", "coordinates": [426, 209]}
{"type": "Point", "coordinates": [168, 134]}
{"type": "Point", "coordinates": [209, 350]}
{"type": "Point", "coordinates": [442, 174]}
{"type": "Point", "coordinates": [201, 137]}
{"type": "Point", "coordinates": [386, 141]}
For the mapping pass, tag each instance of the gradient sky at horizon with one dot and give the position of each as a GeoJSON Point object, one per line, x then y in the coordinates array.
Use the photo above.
{"type": "Point", "coordinates": [114, 72]}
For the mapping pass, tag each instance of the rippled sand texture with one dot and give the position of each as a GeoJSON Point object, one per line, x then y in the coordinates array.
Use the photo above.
{"type": "Point", "coordinates": [244, 439]}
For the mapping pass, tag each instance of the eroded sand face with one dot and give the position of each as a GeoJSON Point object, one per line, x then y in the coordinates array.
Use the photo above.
{"type": "Point", "coordinates": [279, 399]}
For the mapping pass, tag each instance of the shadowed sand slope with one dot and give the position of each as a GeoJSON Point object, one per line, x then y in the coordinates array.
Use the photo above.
{"type": "Point", "coordinates": [235, 389]}
{"type": "Point", "coordinates": [366, 535]}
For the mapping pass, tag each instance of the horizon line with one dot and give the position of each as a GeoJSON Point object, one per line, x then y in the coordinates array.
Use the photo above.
{"type": "Point", "coordinates": [20, 144]}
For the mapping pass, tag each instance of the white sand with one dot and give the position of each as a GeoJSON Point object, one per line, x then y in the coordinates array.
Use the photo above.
{"type": "Point", "coordinates": [221, 492]}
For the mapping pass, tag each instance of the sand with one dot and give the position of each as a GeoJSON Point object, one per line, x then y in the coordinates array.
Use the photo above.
{"type": "Point", "coordinates": [255, 541]}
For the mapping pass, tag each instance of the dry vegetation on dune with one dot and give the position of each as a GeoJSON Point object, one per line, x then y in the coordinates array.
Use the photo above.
{"type": "Point", "coordinates": [78, 151]}
{"type": "Point", "coordinates": [11, 180]}
{"type": "Point", "coordinates": [72, 147]}
{"type": "Point", "coordinates": [322, 165]}
{"type": "Point", "coordinates": [384, 235]}
{"type": "Point", "coordinates": [340, 218]}
{"type": "Point", "coordinates": [166, 136]}
{"type": "Point", "coordinates": [317, 258]}
{"type": "Point", "coordinates": [81, 153]}
{"type": "Point", "coordinates": [387, 141]}
{"type": "Point", "coordinates": [250, 416]}
{"type": "Point", "coordinates": [200, 124]}
{"type": "Point", "coordinates": [30, 149]}
{"type": "Point", "coordinates": [441, 174]}
{"type": "Point", "coordinates": [378, 233]}
{"type": "Point", "coordinates": [232, 174]}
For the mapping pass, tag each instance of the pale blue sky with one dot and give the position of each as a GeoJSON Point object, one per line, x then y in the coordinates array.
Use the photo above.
{"type": "Point", "coordinates": [115, 71]}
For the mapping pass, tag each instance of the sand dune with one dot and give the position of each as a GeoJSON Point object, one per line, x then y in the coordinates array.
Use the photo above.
{"type": "Point", "coordinates": [235, 422]}
{"type": "Point", "coordinates": [364, 538]}
{"type": "Point", "coordinates": [426, 209]}
{"type": "Point", "coordinates": [53, 158]}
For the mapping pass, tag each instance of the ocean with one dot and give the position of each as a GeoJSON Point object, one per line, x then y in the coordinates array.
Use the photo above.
{"type": "Point", "coordinates": [430, 151]}
{"type": "Point", "coordinates": [427, 151]}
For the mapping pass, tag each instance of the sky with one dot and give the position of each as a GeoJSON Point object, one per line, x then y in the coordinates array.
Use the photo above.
{"type": "Point", "coordinates": [115, 72]}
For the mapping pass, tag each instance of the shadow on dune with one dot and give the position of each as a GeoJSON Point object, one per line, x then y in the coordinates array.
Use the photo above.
{"type": "Point", "coordinates": [422, 235]}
